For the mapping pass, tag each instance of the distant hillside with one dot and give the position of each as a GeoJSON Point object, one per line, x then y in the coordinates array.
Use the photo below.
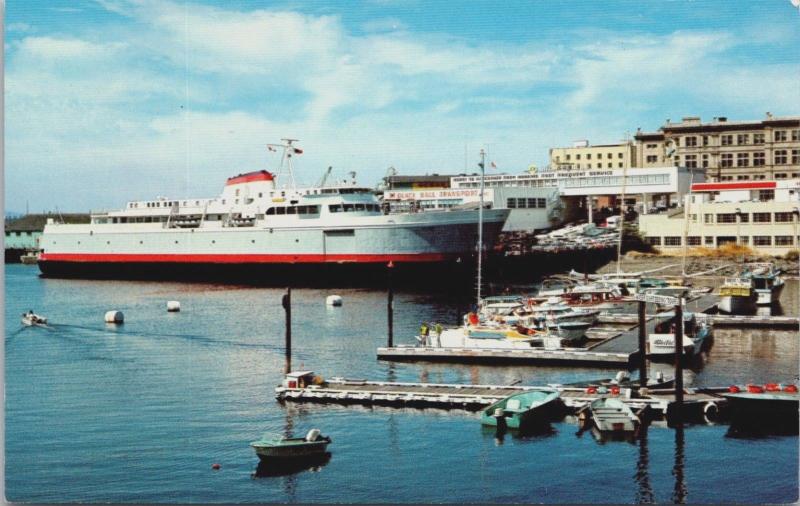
{"type": "Point", "coordinates": [37, 221]}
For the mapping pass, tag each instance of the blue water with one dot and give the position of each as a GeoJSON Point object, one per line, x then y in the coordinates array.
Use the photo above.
{"type": "Point", "coordinates": [140, 412]}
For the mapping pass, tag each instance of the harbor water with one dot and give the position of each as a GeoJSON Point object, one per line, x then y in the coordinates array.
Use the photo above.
{"type": "Point", "coordinates": [139, 412]}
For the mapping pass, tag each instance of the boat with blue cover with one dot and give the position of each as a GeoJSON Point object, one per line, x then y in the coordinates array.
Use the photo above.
{"type": "Point", "coordinates": [523, 409]}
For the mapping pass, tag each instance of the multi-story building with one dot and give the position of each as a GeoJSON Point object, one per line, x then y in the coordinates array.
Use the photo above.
{"type": "Point", "coordinates": [761, 214]}
{"type": "Point", "coordinates": [583, 156]}
{"type": "Point", "coordinates": [726, 150]}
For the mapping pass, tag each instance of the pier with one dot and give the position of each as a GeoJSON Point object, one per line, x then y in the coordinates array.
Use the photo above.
{"type": "Point", "coordinates": [564, 357]}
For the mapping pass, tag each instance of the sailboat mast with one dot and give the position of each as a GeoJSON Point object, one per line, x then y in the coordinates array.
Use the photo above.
{"type": "Point", "coordinates": [621, 218]}
{"type": "Point", "coordinates": [482, 165]}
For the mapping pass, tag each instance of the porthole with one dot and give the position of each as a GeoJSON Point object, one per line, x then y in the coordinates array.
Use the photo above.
{"type": "Point", "coordinates": [176, 242]}
{"type": "Point", "coordinates": [253, 241]}
{"type": "Point", "coordinates": [213, 242]}
{"type": "Point", "coordinates": [297, 240]}
{"type": "Point", "coordinates": [108, 242]}
{"type": "Point", "coordinates": [141, 242]}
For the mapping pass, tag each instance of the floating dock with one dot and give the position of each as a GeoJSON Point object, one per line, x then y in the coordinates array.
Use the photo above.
{"type": "Point", "coordinates": [565, 357]}
{"type": "Point", "coordinates": [721, 320]}
{"type": "Point", "coordinates": [477, 397]}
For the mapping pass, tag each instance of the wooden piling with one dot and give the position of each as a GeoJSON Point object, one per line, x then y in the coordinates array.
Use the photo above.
{"type": "Point", "coordinates": [390, 307]}
{"type": "Point", "coordinates": [642, 344]}
{"type": "Point", "coordinates": [679, 357]}
{"type": "Point", "coordinates": [287, 307]}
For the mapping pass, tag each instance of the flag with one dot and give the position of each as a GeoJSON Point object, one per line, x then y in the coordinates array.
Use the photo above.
{"type": "Point", "coordinates": [493, 165]}
{"type": "Point", "coordinates": [298, 151]}
{"type": "Point", "coordinates": [271, 148]}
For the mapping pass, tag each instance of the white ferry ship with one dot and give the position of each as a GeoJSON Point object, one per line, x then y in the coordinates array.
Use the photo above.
{"type": "Point", "coordinates": [256, 231]}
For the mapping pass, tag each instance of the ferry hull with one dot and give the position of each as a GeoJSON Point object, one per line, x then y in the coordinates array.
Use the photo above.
{"type": "Point", "coordinates": [437, 246]}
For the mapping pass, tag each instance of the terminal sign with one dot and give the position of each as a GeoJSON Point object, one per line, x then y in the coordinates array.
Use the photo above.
{"type": "Point", "coordinates": [657, 299]}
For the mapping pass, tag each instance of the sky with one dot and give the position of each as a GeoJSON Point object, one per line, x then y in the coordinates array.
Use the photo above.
{"type": "Point", "coordinates": [108, 101]}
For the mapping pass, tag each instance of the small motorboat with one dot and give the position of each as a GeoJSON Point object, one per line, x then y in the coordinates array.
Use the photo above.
{"type": "Point", "coordinates": [697, 329]}
{"type": "Point", "coordinates": [613, 415]}
{"type": "Point", "coordinates": [523, 409]}
{"type": "Point", "coordinates": [30, 318]}
{"type": "Point", "coordinates": [274, 447]}
{"type": "Point", "coordinates": [737, 296]}
{"type": "Point", "coordinates": [767, 284]}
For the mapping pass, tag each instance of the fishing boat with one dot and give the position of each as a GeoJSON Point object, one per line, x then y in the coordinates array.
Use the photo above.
{"type": "Point", "coordinates": [482, 336]}
{"type": "Point", "coordinates": [259, 231]}
{"type": "Point", "coordinates": [523, 409]}
{"type": "Point", "coordinates": [30, 318]}
{"type": "Point", "coordinates": [29, 258]}
{"type": "Point", "coordinates": [561, 312]}
{"type": "Point", "coordinates": [696, 329]}
{"type": "Point", "coordinates": [613, 415]}
{"type": "Point", "coordinates": [767, 283]}
{"type": "Point", "coordinates": [737, 295]}
{"type": "Point", "coordinates": [274, 447]}
{"type": "Point", "coordinates": [596, 296]}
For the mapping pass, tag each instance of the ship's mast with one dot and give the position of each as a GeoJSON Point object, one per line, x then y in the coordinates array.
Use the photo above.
{"type": "Point", "coordinates": [286, 168]}
{"type": "Point", "coordinates": [482, 165]}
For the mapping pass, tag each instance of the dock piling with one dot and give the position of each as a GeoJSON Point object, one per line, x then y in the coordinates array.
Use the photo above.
{"type": "Point", "coordinates": [287, 307]}
{"type": "Point", "coordinates": [390, 307]}
{"type": "Point", "coordinates": [679, 357]}
{"type": "Point", "coordinates": [642, 344]}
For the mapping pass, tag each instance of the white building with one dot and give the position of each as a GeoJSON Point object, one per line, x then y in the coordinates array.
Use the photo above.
{"type": "Point", "coordinates": [761, 214]}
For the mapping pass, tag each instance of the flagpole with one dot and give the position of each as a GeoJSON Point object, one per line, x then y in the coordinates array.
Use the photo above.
{"type": "Point", "coordinates": [482, 165]}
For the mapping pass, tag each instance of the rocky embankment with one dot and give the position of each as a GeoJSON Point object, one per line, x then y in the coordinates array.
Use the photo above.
{"type": "Point", "coordinates": [638, 262]}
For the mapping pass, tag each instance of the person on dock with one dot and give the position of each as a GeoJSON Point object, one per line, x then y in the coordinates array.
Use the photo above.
{"type": "Point", "coordinates": [437, 327]}
{"type": "Point", "coordinates": [424, 330]}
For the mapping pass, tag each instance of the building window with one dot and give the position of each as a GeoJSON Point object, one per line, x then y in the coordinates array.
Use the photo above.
{"type": "Point", "coordinates": [780, 157]}
{"type": "Point", "coordinates": [762, 218]}
{"type": "Point", "coordinates": [742, 159]}
{"type": "Point", "coordinates": [620, 165]}
{"type": "Point", "coordinates": [783, 240]}
{"type": "Point", "coordinates": [780, 135]}
{"type": "Point", "coordinates": [766, 195]}
{"type": "Point", "coordinates": [780, 175]}
{"type": "Point", "coordinates": [619, 155]}
{"type": "Point", "coordinates": [744, 240]}
{"type": "Point", "coordinates": [742, 178]}
{"type": "Point", "coordinates": [652, 146]}
{"type": "Point", "coordinates": [708, 218]}
{"type": "Point", "coordinates": [727, 140]}
{"type": "Point", "coordinates": [783, 218]}
{"type": "Point", "coordinates": [795, 156]}
{"type": "Point", "coordinates": [511, 203]}
{"type": "Point", "coordinates": [541, 203]}
{"type": "Point", "coordinates": [691, 161]}
{"type": "Point", "coordinates": [610, 165]}
{"type": "Point", "coordinates": [672, 241]}
{"type": "Point", "coordinates": [599, 166]}
{"type": "Point", "coordinates": [568, 156]}
{"type": "Point", "coordinates": [588, 156]}
{"type": "Point", "coordinates": [705, 140]}
{"type": "Point", "coordinates": [743, 139]}
{"type": "Point", "coordinates": [708, 240]}
{"type": "Point", "coordinates": [705, 161]}
{"type": "Point", "coordinates": [726, 160]}
{"type": "Point", "coordinates": [758, 159]}
{"type": "Point", "coordinates": [578, 156]}
{"type": "Point", "coordinates": [726, 217]}
{"type": "Point", "coordinates": [654, 241]}
{"type": "Point", "coordinates": [744, 218]}
{"type": "Point", "coordinates": [652, 158]}
{"type": "Point", "coordinates": [690, 141]}
{"type": "Point", "coordinates": [796, 135]}
{"type": "Point", "coordinates": [693, 240]}
{"type": "Point", "coordinates": [762, 240]}
{"type": "Point", "coordinates": [759, 177]}
{"type": "Point", "coordinates": [758, 138]}
{"type": "Point", "coordinates": [609, 156]}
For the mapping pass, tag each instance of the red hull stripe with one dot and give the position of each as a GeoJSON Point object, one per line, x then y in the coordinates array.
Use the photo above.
{"type": "Point", "coordinates": [250, 177]}
{"type": "Point", "coordinates": [242, 259]}
{"type": "Point", "coordinates": [755, 185]}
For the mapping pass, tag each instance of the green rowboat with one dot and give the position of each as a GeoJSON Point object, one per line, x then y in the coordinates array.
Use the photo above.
{"type": "Point", "coordinates": [272, 447]}
{"type": "Point", "coordinates": [524, 408]}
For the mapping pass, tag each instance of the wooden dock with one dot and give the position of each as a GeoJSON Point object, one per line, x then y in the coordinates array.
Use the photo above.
{"type": "Point", "coordinates": [564, 357]}
{"type": "Point", "coordinates": [721, 320]}
{"type": "Point", "coordinates": [474, 397]}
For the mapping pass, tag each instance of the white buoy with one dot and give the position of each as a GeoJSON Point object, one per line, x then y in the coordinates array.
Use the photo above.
{"type": "Point", "coordinates": [173, 306]}
{"type": "Point", "coordinates": [114, 317]}
{"type": "Point", "coordinates": [333, 300]}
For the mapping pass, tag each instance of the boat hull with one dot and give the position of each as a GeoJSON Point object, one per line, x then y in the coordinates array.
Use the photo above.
{"type": "Point", "coordinates": [540, 414]}
{"type": "Point", "coordinates": [291, 452]}
{"type": "Point", "coordinates": [733, 304]}
{"type": "Point", "coordinates": [429, 244]}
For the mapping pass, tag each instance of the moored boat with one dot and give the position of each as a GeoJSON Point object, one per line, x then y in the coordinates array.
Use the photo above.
{"type": "Point", "coordinates": [766, 282]}
{"type": "Point", "coordinates": [696, 329]}
{"type": "Point", "coordinates": [613, 415]}
{"type": "Point", "coordinates": [523, 409]}
{"type": "Point", "coordinates": [768, 405]}
{"type": "Point", "coordinates": [737, 296]}
{"type": "Point", "coordinates": [256, 231]}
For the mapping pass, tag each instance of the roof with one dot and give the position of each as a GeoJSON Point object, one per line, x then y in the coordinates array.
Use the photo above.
{"type": "Point", "coordinates": [298, 374]}
{"type": "Point", "coordinates": [36, 222]}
